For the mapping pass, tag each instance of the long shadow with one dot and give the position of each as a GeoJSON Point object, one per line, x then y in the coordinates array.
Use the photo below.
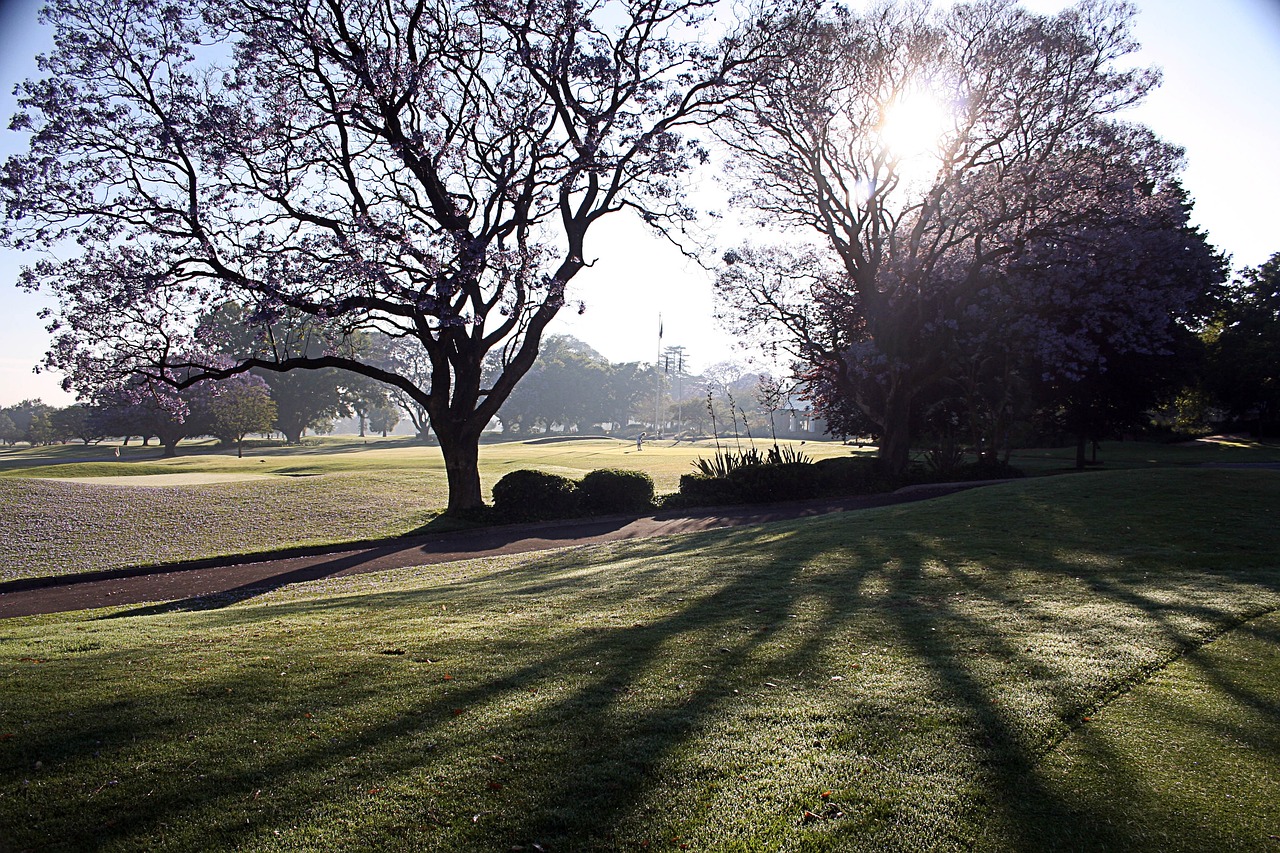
{"type": "Point", "coordinates": [740, 621]}
{"type": "Point", "coordinates": [256, 587]}
{"type": "Point", "coordinates": [605, 793]}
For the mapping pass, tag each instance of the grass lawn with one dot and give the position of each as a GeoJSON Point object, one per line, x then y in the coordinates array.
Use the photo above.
{"type": "Point", "coordinates": [1061, 663]}
{"type": "Point", "coordinates": [329, 492]}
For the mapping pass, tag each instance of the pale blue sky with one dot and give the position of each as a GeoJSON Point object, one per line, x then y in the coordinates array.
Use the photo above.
{"type": "Point", "coordinates": [1220, 100]}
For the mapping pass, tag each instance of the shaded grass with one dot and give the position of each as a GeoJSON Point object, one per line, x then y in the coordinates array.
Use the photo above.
{"type": "Point", "coordinates": [1146, 455]}
{"type": "Point", "coordinates": [917, 662]}
{"type": "Point", "coordinates": [1190, 757]}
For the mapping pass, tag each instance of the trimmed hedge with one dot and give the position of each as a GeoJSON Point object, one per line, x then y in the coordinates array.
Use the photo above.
{"type": "Point", "coordinates": [848, 475]}
{"type": "Point", "coordinates": [771, 482]}
{"type": "Point", "coordinates": [527, 495]}
{"type": "Point", "coordinates": [616, 490]}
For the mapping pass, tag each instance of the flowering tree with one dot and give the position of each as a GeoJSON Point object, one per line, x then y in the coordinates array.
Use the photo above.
{"type": "Point", "coordinates": [926, 152]}
{"type": "Point", "coordinates": [428, 169]}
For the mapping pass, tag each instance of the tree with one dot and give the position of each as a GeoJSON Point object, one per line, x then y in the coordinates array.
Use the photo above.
{"type": "Point", "coordinates": [306, 400]}
{"type": "Point", "coordinates": [567, 386]}
{"type": "Point", "coordinates": [30, 419]}
{"type": "Point", "coordinates": [363, 396]}
{"type": "Point", "coordinates": [9, 433]}
{"type": "Point", "coordinates": [76, 421]}
{"type": "Point", "coordinates": [924, 151]}
{"type": "Point", "coordinates": [383, 417]}
{"type": "Point", "coordinates": [429, 169]}
{"type": "Point", "coordinates": [139, 406]}
{"type": "Point", "coordinates": [1105, 313]}
{"type": "Point", "coordinates": [1244, 348]}
{"type": "Point", "coordinates": [241, 405]}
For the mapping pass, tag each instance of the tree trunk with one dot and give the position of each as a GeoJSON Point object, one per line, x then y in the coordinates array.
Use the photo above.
{"type": "Point", "coordinates": [171, 448]}
{"type": "Point", "coordinates": [894, 456]}
{"type": "Point", "coordinates": [1081, 441]}
{"type": "Point", "coordinates": [461, 451]}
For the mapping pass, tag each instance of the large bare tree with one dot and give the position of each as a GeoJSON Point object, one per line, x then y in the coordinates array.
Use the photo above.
{"type": "Point", "coordinates": [427, 169]}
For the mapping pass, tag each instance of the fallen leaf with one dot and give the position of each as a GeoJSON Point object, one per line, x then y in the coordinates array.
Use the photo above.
{"type": "Point", "coordinates": [494, 786]}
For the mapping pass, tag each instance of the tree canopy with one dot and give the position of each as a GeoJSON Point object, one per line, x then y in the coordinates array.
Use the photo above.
{"type": "Point", "coordinates": [966, 186]}
{"type": "Point", "coordinates": [428, 169]}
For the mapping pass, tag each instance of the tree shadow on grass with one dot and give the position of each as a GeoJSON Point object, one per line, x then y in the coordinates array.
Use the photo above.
{"type": "Point", "coordinates": [629, 700]}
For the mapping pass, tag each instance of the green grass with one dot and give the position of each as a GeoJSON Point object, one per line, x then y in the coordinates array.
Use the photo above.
{"type": "Point", "coordinates": [1114, 455]}
{"type": "Point", "coordinates": [328, 493]}
{"type": "Point", "coordinates": [332, 491]}
{"type": "Point", "coordinates": [928, 665]}
{"type": "Point", "coordinates": [1193, 754]}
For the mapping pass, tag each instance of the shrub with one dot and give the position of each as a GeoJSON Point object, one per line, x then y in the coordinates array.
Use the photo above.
{"type": "Point", "coordinates": [616, 490]}
{"type": "Point", "coordinates": [526, 495]}
{"type": "Point", "coordinates": [849, 475]}
{"type": "Point", "coordinates": [786, 454]}
{"type": "Point", "coordinates": [726, 461]}
{"type": "Point", "coordinates": [702, 490]}
{"type": "Point", "coordinates": [770, 482]}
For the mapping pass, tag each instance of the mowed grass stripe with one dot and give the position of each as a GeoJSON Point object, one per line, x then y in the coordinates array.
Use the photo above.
{"type": "Point", "coordinates": [916, 662]}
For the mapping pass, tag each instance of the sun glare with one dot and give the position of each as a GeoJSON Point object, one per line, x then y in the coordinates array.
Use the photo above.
{"type": "Point", "coordinates": [912, 131]}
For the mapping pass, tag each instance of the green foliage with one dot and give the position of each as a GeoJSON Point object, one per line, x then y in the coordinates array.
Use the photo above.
{"type": "Point", "coordinates": [616, 490]}
{"type": "Point", "coordinates": [726, 461]}
{"type": "Point", "coordinates": [528, 495]}
{"type": "Point", "coordinates": [850, 475]}
{"type": "Point", "coordinates": [703, 490]}
{"type": "Point", "coordinates": [770, 482]}
{"type": "Point", "coordinates": [1243, 370]}
{"type": "Point", "coordinates": [787, 454]}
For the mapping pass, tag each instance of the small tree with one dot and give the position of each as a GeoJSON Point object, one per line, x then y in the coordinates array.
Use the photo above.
{"type": "Point", "coordinates": [383, 417]}
{"type": "Point", "coordinates": [239, 406]}
{"type": "Point", "coordinates": [9, 432]}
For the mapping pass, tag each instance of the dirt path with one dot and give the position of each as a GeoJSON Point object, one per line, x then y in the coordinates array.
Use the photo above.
{"type": "Point", "coordinates": [215, 583]}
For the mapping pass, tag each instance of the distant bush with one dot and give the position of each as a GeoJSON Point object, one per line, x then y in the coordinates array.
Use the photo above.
{"type": "Point", "coordinates": [615, 490]}
{"type": "Point", "coordinates": [526, 495]}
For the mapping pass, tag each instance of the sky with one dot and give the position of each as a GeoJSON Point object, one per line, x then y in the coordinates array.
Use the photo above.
{"type": "Point", "coordinates": [1220, 100]}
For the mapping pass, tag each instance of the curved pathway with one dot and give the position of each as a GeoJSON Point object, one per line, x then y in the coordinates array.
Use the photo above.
{"type": "Point", "coordinates": [213, 583]}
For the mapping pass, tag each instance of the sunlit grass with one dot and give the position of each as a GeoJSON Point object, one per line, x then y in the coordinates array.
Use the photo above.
{"type": "Point", "coordinates": [923, 666]}
{"type": "Point", "coordinates": [328, 493]}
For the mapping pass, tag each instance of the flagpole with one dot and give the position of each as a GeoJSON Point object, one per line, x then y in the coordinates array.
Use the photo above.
{"type": "Point", "coordinates": [657, 372]}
